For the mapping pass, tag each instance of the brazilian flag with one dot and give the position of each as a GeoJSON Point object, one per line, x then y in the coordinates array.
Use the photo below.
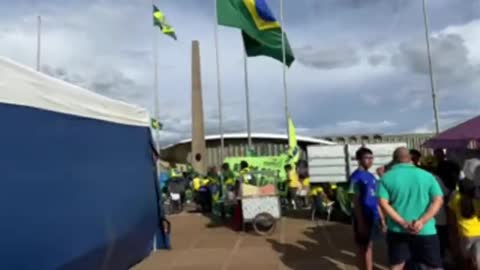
{"type": "Point", "coordinates": [261, 32]}
{"type": "Point", "coordinates": [160, 21]}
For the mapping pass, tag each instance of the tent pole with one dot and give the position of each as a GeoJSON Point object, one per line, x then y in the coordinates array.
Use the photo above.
{"type": "Point", "coordinates": [39, 34]}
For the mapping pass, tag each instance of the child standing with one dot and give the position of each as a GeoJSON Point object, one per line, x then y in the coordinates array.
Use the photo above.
{"type": "Point", "coordinates": [465, 223]}
{"type": "Point", "coordinates": [367, 215]}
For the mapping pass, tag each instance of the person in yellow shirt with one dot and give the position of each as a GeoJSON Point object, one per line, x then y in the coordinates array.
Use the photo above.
{"type": "Point", "coordinates": [196, 185]}
{"type": "Point", "coordinates": [306, 183]}
{"type": "Point", "coordinates": [293, 183]}
{"type": "Point", "coordinates": [304, 192]}
{"type": "Point", "coordinates": [245, 174]}
{"type": "Point", "coordinates": [320, 200]}
{"type": "Point", "coordinates": [465, 222]}
{"type": "Point", "coordinates": [318, 195]}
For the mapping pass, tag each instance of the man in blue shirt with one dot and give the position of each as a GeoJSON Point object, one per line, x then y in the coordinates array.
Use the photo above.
{"type": "Point", "coordinates": [367, 218]}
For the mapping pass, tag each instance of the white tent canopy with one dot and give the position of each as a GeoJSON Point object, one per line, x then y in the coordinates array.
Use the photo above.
{"type": "Point", "coordinates": [20, 85]}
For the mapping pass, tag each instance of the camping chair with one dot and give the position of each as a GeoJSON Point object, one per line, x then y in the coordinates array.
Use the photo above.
{"type": "Point", "coordinates": [303, 198]}
{"type": "Point", "coordinates": [344, 201]}
{"type": "Point", "coordinates": [320, 206]}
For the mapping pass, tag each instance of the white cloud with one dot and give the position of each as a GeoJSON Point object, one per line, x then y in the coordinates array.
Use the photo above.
{"type": "Point", "coordinates": [352, 127]}
{"type": "Point", "coordinates": [110, 51]}
{"type": "Point", "coordinates": [445, 121]}
{"type": "Point", "coordinates": [328, 58]}
{"type": "Point", "coordinates": [459, 113]}
{"type": "Point", "coordinates": [470, 33]}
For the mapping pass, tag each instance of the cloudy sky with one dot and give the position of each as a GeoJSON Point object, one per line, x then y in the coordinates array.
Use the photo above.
{"type": "Point", "coordinates": [361, 64]}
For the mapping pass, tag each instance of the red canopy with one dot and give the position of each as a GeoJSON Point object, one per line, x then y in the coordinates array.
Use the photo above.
{"type": "Point", "coordinates": [464, 135]}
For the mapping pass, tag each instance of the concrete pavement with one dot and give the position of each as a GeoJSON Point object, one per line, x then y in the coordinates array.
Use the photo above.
{"type": "Point", "coordinates": [198, 243]}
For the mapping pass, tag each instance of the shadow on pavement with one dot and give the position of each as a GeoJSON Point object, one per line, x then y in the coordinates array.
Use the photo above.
{"type": "Point", "coordinates": [328, 246]}
{"type": "Point", "coordinates": [306, 214]}
{"type": "Point", "coordinates": [216, 222]}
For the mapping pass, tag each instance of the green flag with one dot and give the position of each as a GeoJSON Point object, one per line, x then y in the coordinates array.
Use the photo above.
{"type": "Point", "coordinates": [160, 21]}
{"type": "Point", "coordinates": [261, 32]}
{"type": "Point", "coordinates": [155, 124]}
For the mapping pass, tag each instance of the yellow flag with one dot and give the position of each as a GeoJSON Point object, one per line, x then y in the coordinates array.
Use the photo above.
{"type": "Point", "coordinates": [292, 136]}
{"type": "Point", "coordinates": [293, 150]}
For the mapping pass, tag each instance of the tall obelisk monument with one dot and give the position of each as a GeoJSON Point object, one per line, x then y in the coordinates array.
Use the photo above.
{"type": "Point", "coordinates": [198, 130]}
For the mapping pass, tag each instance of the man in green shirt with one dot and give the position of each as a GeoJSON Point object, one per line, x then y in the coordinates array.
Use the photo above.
{"type": "Point", "coordinates": [410, 198]}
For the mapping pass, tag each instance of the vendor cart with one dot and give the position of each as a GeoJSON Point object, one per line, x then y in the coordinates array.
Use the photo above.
{"type": "Point", "coordinates": [262, 211]}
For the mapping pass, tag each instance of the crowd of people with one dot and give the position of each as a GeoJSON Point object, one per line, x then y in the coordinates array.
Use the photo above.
{"type": "Point", "coordinates": [428, 214]}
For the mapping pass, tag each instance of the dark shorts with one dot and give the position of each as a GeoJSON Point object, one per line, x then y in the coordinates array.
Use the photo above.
{"type": "Point", "coordinates": [442, 232]}
{"type": "Point", "coordinates": [424, 249]}
{"type": "Point", "coordinates": [374, 232]}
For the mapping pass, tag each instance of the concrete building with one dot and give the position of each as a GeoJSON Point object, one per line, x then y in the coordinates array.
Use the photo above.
{"type": "Point", "coordinates": [236, 144]}
{"type": "Point", "coordinates": [274, 144]}
{"type": "Point", "coordinates": [413, 140]}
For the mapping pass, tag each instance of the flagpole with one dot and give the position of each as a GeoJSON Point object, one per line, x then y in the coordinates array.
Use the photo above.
{"type": "Point", "coordinates": [284, 60]}
{"type": "Point", "coordinates": [156, 112]}
{"type": "Point", "coordinates": [285, 92]}
{"type": "Point", "coordinates": [430, 68]}
{"type": "Point", "coordinates": [247, 100]}
{"type": "Point", "coordinates": [219, 86]}
{"type": "Point", "coordinates": [39, 30]}
{"type": "Point", "coordinates": [155, 92]}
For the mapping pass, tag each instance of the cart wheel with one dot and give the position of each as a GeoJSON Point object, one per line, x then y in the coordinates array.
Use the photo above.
{"type": "Point", "coordinates": [264, 224]}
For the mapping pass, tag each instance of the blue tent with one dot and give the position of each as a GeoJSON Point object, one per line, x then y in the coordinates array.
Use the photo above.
{"type": "Point", "coordinates": [77, 177]}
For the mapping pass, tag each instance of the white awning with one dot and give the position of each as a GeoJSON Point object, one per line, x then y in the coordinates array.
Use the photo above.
{"type": "Point", "coordinates": [20, 85]}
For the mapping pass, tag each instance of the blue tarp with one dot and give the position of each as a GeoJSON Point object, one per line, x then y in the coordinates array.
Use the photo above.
{"type": "Point", "coordinates": [75, 192]}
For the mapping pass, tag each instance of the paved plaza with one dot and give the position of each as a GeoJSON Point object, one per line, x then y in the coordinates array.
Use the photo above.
{"type": "Point", "coordinates": [200, 244]}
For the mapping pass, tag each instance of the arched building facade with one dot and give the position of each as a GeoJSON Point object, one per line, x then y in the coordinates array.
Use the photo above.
{"type": "Point", "coordinates": [264, 144]}
{"type": "Point", "coordinates": [236, 145]}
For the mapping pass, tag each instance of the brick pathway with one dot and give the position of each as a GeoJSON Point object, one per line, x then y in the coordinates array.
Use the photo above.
{"type": "Point", "coordinates": [297, 244]}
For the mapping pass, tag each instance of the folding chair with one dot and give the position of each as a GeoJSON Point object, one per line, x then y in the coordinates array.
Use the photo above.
{"type": "Point", "coordinates": [319, 206]}
{"type": "Point", "coordinates": [344, 201]}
